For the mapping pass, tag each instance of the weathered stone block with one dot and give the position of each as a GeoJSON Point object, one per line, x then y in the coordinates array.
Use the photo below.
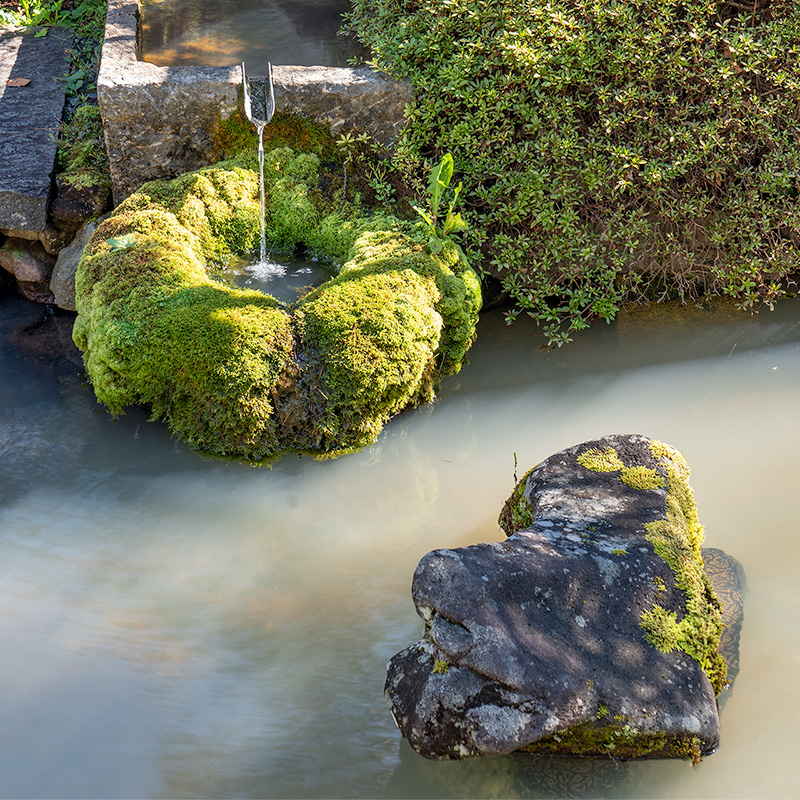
{"type": "Point", "coordinates": [159, 120]}
{"type": "Point", "coordinates": [30, 115]}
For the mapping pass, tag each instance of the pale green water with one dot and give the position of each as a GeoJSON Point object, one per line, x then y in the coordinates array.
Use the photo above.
{"type": "Point", "coordinates": [177, 627]}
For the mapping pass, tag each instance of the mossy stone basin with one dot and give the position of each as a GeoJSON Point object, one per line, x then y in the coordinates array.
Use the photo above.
{"type": "Point", "coordinates": [235, 372]}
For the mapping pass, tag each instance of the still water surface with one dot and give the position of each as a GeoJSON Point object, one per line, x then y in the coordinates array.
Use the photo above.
{"type": "Point", "coordinates": [180, 627]}
{"type": "Point", "coordinates": [287, 277]}
{"type": "Point", "coordinates": [220, 33]}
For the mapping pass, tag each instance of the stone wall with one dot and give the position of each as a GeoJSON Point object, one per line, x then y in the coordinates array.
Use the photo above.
{"type": "Point", "coordinates": [158, 119]}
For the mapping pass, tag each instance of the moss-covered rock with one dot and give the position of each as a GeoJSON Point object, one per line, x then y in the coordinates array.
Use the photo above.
{"type": "Point", "coordinates": [592, 630]}
{"type": "Point", "coordinates": [237, 373]}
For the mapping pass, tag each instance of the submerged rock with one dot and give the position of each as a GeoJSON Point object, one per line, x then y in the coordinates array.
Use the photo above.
{"type": "Point", "coordinates": [592, 630]}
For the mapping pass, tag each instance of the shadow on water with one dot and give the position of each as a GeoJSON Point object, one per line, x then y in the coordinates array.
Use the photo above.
{"type": "Point", "coordinates": [641, 337]}
{"type": "Point", "coordinates": [515, 776]}
{"type": "Point", "coordinates": [54, 433]}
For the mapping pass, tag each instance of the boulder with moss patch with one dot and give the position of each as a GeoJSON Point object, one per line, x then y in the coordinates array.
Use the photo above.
{"type": "Point", "coordinates": [237, 373]}
{"type": "Point", "coordinates": [592, 630]}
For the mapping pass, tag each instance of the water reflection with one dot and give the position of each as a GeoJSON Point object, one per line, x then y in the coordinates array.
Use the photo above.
{"type": "Point", "coordinates": [182, 627]}
{"type": "Point", "coordinates": [226, 32]}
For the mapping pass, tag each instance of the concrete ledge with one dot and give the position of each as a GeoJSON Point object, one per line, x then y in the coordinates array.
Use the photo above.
{"type": "Point", "coordinates": [158, 119]}
{"type": "Point", "coordinates": [30, 115]}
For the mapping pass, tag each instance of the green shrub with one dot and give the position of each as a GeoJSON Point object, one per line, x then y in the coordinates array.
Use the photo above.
{"type": "Point", "coordinates": [629, 150]}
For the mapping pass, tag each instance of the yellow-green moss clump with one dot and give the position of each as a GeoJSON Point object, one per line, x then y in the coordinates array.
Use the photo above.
{"type": "Point", "coordinates": [236, 373]}
{"type": "Point", "coordinates": [605, 460]}
{"type": "Point", "coordinates": [677, 538]}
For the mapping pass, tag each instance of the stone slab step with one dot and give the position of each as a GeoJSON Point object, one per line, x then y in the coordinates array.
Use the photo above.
{"type": "Point", "coordinates": [29, 120]}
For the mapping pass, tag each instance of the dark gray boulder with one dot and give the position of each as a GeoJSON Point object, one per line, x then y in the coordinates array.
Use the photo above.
{"type": "Point", "coordinates": [592, 630]}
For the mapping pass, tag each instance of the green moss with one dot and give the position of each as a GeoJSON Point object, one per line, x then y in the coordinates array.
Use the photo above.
{"type": "Point", "coordinates": [236, 137]}
{"type": "Point", "coordinates": [384, 332]}
{"type": "Point", "coordinates": [641, 477]}
{"type": "Point", "coordinates": [677, 538]}
{"type": "Point", "coordinates": [608, 460]}
{"type": "Point", "coordinates": [157, 330]}
{"type": "Point", "coordinates": [440, 667]}
{"type": "Point", "coordinates": [82, 161]}
{"type": "Point", "coordinates": [517, 513]}
{"type": "Point", "coordinates": [235, 372]}
{"type": "Point", "coordinates": [605, 460]}
{"type": "Point", "coordinates": [371, 343]}
{"type": "Point", "coordinates": [617, 739]}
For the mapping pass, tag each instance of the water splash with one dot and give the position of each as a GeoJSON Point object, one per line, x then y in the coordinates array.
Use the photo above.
{"type": "Point", "coordinates": [266, 269]}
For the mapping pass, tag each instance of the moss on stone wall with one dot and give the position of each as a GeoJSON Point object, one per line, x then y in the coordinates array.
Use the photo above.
{"type": "Point", "coordinates": [237, 373]}
{"type": "Point", "coordinates": [236, 135]}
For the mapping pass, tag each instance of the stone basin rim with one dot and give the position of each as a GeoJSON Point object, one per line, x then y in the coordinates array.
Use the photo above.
{"type": "Point", "coordinates": [158, 120]}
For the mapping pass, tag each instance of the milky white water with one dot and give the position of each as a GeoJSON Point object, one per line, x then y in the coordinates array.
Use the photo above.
{"type": "Point", "coordinates": [180, 627]}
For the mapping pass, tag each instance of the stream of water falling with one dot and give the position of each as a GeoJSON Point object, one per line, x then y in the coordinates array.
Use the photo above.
{"type": "Point", "coordinates": [175, 626]}
{"type": "Point", "coordinates": [260, 130]}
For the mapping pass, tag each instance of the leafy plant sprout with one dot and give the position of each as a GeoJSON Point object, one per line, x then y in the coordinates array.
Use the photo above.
{"type": "Point", "coordinates": [438, 183]}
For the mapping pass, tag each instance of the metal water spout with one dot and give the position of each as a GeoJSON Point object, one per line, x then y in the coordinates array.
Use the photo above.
{"type": "Point", "coordinates": [259, 106]}
{"type": "Point", "coordinates": [259, 96]}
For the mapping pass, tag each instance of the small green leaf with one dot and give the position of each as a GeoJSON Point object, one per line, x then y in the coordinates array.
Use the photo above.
{"type": "Point", "coordinates": [439, 181]}
{"type": "Point", "coordinates": [121, 243]}
{"type": "Point", "coordinates": [424, 214]}
{"type": "Point", "coordinates": [454, 222]}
